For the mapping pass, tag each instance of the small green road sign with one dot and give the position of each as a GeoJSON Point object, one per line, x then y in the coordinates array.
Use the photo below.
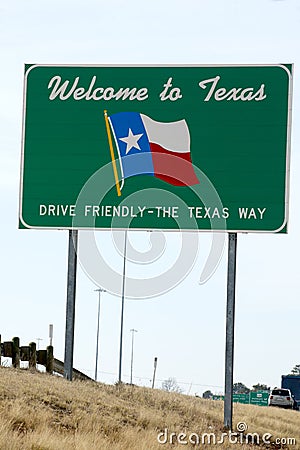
{"type": "Point", "coordinates": [156, 147]}
{"type": "Point", "coordinates": [259, 398]}
{"type": "Point", "coordinates": [240, 398]}
{"type": "Point", "coordinates": [218, 397]}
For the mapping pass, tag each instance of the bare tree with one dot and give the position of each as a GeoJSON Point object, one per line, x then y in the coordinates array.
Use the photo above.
{"type": "Point", "coordinates": [171, 385]}
{"type": "Point", "coordinates": [260, 387]}
{"type": "Point", "coordinates": [240, 388]}
{"type": "Point", "coordinates": [296, 370]}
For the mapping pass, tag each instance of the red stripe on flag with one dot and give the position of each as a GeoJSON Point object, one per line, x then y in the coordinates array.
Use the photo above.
{"type": "Point", "coordinates": [173, 167]}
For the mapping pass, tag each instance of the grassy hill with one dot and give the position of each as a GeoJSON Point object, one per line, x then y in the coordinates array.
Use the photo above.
{"type": "Point", "coordinates": [43, 412]}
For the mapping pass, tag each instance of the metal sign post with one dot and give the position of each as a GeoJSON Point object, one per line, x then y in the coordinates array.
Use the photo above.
{"type": "Point", "coordinates": [229, 352]}
{"type": "Point", "coordinates": [122, 308]}
{"type": "Point", "coordinates": [70, 312]}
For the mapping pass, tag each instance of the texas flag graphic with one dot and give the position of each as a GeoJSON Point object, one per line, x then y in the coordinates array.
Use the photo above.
{"type": "Point", "coordinates": [148, 147]}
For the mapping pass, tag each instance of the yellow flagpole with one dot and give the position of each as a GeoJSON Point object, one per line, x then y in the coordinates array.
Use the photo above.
{"type": "Point", "coordinates": [112, 155]}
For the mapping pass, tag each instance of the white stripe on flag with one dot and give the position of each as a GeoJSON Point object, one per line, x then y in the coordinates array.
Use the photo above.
{"type": "Point", "coordinates": [173, 136]}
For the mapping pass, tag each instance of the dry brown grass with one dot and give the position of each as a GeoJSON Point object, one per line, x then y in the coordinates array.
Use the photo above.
{"type": "Point", "coordinates": [43, 412]}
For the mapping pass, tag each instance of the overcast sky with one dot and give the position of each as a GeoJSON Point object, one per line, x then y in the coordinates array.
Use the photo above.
{"type": "Point", "coordinates": [184, 328]}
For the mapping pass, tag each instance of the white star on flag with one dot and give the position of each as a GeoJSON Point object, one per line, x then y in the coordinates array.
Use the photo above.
{"type": "Point", "coordinates": [131, 140]}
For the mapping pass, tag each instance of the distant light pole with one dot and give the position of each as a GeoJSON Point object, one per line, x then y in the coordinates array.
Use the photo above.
{"type": "Point", "coordinates": [122, 308]}
{"type": "Point", "coordinates": [39, 340]}
{"type": "Point", "coordinates": [98, 323]}
{"type": "Point", "coordinates": [132, 340]}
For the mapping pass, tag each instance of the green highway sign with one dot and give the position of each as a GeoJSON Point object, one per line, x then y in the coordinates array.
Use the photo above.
{"type": "Point", "coordinates": [156, 147]}
{"type": "Point", "coordinates": [240, 398]}
{"type": "Point", "coordinates": [259, 398]}
{"type": "Point", "coordinates": [218, 397]}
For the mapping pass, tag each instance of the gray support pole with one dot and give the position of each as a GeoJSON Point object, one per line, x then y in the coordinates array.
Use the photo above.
{"type": "Point", "coordinates": [229, 352]}
{"type": "Point", "coordinates": [70, 310]}
{"type": "Point", "coordinates": [122, 308]}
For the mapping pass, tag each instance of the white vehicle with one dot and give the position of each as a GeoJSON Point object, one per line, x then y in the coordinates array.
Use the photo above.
{"type": "Point", "coordinates": [281, 397]}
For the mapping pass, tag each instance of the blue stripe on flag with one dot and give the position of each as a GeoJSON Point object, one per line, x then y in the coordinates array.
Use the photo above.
{"type": "Point", "coordinates": [137, 161]}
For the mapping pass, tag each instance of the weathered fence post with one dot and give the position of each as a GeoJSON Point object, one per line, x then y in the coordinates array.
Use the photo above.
{"type": "Point", "coordinates": [49, 365]}
{"type": "Point", "coordinates": [16, 352]}
{"type": "Point", "coordinates": [41, 356]}
{"type": "Point", "coordinates": [32, 355]}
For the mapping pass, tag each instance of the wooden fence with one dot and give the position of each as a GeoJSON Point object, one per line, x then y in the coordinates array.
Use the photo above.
{"type": "Point", "coordinates": [12, 349]}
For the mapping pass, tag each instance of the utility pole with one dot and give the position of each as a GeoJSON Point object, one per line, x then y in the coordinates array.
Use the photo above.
{"type": "Point", "coordinates": [154, 371]}
{"type": "Point", "coordinates": [98, 323]}
{"type": "Point", "coordinates": [132, 340]}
